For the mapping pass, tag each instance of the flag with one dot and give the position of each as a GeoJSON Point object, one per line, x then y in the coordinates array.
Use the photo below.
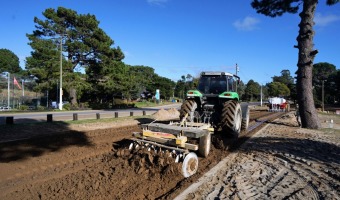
{"type": "Point", "coordinates": [16, 83]}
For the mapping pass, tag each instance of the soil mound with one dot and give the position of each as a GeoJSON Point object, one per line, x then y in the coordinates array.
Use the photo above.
{"type": "Point", "coordinates": [165, 115]}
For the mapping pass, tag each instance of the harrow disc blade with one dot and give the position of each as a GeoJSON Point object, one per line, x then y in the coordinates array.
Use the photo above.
{"type": "Point", "coordinates": [177, 158]}
{"type": "Point", "coordinates": [131, 146]}
{"type": "Point", "coordinates": [190, 165]}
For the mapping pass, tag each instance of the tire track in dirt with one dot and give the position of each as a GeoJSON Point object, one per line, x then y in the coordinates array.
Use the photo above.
{"type": "Point", "coordinates": [85, 172]}
{"type": "Point", "coordinates": [278, 163]}
{"type": "Point", "coordinates": [97, 171]}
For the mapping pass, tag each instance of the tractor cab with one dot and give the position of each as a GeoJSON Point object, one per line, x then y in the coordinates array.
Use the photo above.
{"type": "Point", "coordinates": [217, 83]}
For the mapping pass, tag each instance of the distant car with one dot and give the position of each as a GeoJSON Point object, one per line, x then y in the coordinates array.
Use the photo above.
{"type": "Point", "coordinates": [7, 108]}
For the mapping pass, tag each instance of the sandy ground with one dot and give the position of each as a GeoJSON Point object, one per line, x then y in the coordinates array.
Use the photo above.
{"type": "Point", "coordinates": [282, 161]}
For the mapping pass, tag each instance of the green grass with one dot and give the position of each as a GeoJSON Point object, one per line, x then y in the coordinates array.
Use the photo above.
{"type": "Point", "coordinates": [150, 104]}
{"type": "Point", "coordinates": [33, 126]}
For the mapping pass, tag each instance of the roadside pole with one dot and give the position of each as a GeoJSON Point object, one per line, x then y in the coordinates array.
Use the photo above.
{"type": "Point", "coordinates": [8, 93]}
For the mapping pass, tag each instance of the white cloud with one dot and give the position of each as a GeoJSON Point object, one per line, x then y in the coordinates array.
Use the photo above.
{"type": "Point", "coordinates": [247, 24]}
{"type": "Point", "coordinates": [325, 20]}
{"type": "Point", "coordinates": [157, 2]}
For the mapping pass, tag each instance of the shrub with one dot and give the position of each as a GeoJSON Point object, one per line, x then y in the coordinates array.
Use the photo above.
{"type": "Point", "coordinates": [67, 106]}
{"type": "Point", "coordinates": [24, 107]}
{"type": "Point", "coordinates": [40, 108]}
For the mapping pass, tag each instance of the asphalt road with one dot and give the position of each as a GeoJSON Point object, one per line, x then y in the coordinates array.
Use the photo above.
{"type": "Point", "coordinates": [85, 114]}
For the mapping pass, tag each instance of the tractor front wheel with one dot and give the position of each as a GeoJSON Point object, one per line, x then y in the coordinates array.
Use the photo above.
{"type": "Point", "coordinates": [231, 118]}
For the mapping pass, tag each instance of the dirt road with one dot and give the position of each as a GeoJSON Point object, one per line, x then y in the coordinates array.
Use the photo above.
{"type": "Point", "coordinates": [81, 162]}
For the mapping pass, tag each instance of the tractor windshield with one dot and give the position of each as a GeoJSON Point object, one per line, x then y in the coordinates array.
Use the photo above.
{"type": "Point", "coordinates": [216, 84]}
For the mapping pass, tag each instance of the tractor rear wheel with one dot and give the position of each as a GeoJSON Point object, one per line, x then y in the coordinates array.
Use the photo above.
{"type": "Point", "coordinates": [231, 118]}
{"type": "Point", "coordinates": [188, 107]}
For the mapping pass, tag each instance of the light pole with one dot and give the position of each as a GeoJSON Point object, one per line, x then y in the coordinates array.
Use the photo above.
{"type": "Point", "coordinates": [61, 74]}
{"type": "Point", "coordinates": [8, 93]}
{"type": "Point", "coordinates": [261, 95]}
{"type": "Point", "coordinates": [237, 70]}
{"type": "Point", "coordinates": [323, 95]}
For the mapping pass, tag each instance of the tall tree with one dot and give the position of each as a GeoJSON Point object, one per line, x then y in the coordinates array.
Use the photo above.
{"type": "Point", "coordinates": [165, 86]}
{"type": "Point", "coordinates": [107, 79]}
{"type": "Point", "coordinates": [44, 64]}
{"type": "Point", "coordinates": [322, 71]}
{"type": "Point", "coordinates": [252, 90]}
{"type": "Point", "coordinates": [306, 55]}
{"type": "Point", "coordinates": [144, 77]}
{"type": "Point", "coordinates": [287, 80]}
{"type": "Point", "coordinates": [9, 62]}
{"type": "Point", "coordinates": [285, 77]}
{"type": "Point", "coordinates": [324, 82]}
{"type": "Point", "coordinates": [241, 87]}
{"type": "Point", "coordinates": [83, 43]}
{"type": "Point", "coordinates": [278, 89]}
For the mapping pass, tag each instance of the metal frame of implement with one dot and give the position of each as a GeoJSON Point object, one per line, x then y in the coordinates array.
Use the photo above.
{"type": "Point", "coordinates": [173, 136]}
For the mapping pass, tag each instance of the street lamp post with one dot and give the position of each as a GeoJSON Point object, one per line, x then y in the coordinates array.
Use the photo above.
{"type": "Point", "coordinates": [8, 92]}
{"type": "Point", "coordinates": [61, 75]}
{"type": "Point", "coordinates": [323, 96]}
{"type": "Point", "coordinates": [261, 95]}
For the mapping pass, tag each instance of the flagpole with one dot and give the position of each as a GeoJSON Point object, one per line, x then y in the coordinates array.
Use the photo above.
{"type": "Point", "coordinates": [61, 74]}
{"type": "Point", "coordinates": [23, 89]}
{"type": "Point", "coordinates": [8, 91]}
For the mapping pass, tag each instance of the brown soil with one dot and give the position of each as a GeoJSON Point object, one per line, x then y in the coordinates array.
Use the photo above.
{"type": "Point", "coordinates": [165, 115]}
{"type": "Point", "coordinates": [81, 162]}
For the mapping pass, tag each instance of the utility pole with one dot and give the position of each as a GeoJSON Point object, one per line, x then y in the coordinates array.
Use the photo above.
{"type": "Point", "coordinates": [237, 70]}
{"type": "Point", "coordinates": [23, 87]}
{"type": "Point", "coordinates": [47, 99]}
{"type": "Point", "coordinates": [61, 74]}
{"type": "Point", "coordinates": [261, 95]}
{"type": "Point", "coordinates": [323, 96]}
{"type": "Point", "coordinates": [57, 94]}
{"type": "Point", "coordinates": [8, 93]}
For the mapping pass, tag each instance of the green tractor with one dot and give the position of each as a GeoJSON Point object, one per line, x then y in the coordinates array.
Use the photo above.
{"type": "Point", "coordinates": [216, 101]}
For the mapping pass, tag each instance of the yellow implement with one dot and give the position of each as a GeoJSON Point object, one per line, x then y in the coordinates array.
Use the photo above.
{"type": "Point", "coordinates": [149, 133]}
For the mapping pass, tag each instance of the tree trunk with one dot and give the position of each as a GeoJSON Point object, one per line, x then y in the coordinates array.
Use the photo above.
{"type": "Point", "coordinates": [308, 113]}
{"type": "Point", "coordinates": [73, 95]}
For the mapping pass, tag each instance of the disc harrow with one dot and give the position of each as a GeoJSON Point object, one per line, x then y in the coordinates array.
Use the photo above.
{"type": "Point", "coordinates": [179, 140]}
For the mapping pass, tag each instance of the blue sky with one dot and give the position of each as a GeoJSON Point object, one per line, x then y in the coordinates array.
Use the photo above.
{"type": "Point", "coordinates": [179, 37]}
